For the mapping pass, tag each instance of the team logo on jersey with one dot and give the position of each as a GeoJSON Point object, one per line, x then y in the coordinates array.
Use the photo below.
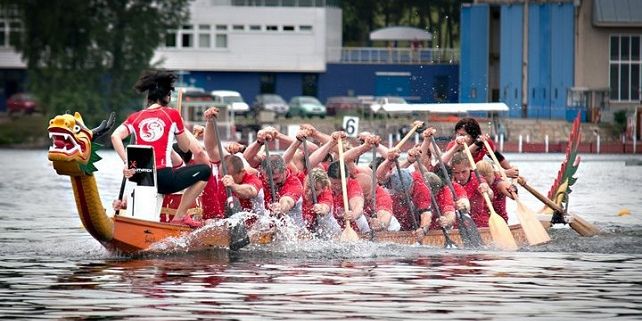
{"type": "Point", "coordinates": [151, 129]}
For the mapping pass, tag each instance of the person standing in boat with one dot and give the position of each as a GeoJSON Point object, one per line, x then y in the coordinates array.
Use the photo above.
{"type": "Point", "coordinates": [397, 187]}
{"type": "Point", "coordinates": [157, 126]}
{"type": "Point", "coordinates": [463, 175]}
{"type": "Point", "coordinates": [468, 131]}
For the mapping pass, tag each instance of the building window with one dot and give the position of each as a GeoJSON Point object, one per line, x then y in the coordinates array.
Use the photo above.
{"type": "Point", "coordinates": [268, 83]}
{"type": "Point", "coordinates": [305, 28]}
{"type": "Point", "coordinates": [15, 32]}
{"type": "Point", "coordinates": [272, 28]}
{"type": "Point", "coordinates": [310, 84]}
{"type": "Point", "coordinates": [221, 41]}
{"type": "Point", "coordinates": [187, 38]}
{"type": "Point", "coordinates": [203, 27]}
{"type": "Point", "coordinates": [170, 39]}
{"type": "Point", "coordinates": [238, 27]}
{"type": "Point", "coordinates": [3, 38]}
{"type": "Point", "coordinates": [221, 27]}
{"type": "Point", "coordinates": [204, 40]}
{"type": "Point", "coordinates": [624, 68]}
{"type": "Point", "coordinates": [288, 28]}
{"type": "Point", "coordinates": [255, 27]}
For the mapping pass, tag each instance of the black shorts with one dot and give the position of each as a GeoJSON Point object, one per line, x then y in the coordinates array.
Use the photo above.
{"type": "Point", "coordinates": [173, 180]}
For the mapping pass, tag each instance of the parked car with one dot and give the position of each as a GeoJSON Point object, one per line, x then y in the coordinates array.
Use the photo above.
{"type": "Point", "coordinates": [271, 102]}
{"type": "Point", "coordinates": [234, 99]}
{"type": "Point", "coordinates": [387, 104]}
{"type": "Point", "coordinates": [342, 104]}
{"type": "Point", "coordinates": [22, 103]}
{"type": "Point", "coordinates": [306, 106]}
{"type": "Point", "coordinates": [195, 102]}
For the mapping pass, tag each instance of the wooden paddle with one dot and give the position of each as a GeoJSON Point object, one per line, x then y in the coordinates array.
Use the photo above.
{"type": "Point", "coordinates": [502, 237]}
{"type": "Point", "coordinates": [238, 234]}
{"type": "Point", "coordinates": [348, 234]}
{"type": "Point", "coordinates": [268, 169]}
{"type": "Point", "coordinates": [232, 205]}
{"type": "Point", "coordinates": [374, 192]}
{"type": "Point", "coordinates": [448, 243]}
{"type": "Point", "coordinates": [466, 225]}
{"type": "Point", "coordinates": [533, 229]}
{"type": "Point", "coordinates": [577, 223]}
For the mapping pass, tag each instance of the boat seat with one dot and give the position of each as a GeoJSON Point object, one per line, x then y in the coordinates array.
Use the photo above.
{"type": "Point", "coordinates": [145, 200]}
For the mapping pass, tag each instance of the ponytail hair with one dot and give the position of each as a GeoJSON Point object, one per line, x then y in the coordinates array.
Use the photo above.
{"type": "Point", "coordinates": [157, 83]}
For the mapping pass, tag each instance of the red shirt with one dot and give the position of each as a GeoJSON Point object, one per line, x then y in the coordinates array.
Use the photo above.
{"type": "Point", "coordinates": [478, 208]}
{"type": "Point", "coordinates": [291, 187]}
{"type": "Point", "coordinates": [254, 204]}
{"type": "Point", "coordinates": [499, 199]}
{"type": "Point", "coordinates": [156, 127]}
{"type": "Point", "coordinates": [354, 190]}
{"type": "Point", "coordinates": [445, 203]}
{"type": "Point", "coordinates": [420, 197]}
{"type": "Point", "coordinates": [324, 197]}
{"type": "Point", "coordinates": [384, 202]}
{"type": "Point", "coordinates": [211, 200]}
{"type": "Point", "coordinates": [479, 153]}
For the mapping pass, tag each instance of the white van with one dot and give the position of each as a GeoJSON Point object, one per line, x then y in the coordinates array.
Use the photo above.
{"type": "Point", "coordinates": [232, 98]}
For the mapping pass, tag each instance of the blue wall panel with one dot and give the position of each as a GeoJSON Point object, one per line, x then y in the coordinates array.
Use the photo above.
{"type": "Point", "coordinates": [539, 60]}
{"type": "Point", "coordinates": [474, 53]}
{"type": "Point", "coordinates": [510, 60]}
{"type": "Point", "coordinates": [563, 54]}
{"type": "Point", "coordinates": [429, 83]}
{"type": "Point", "coordinates": [361, 79]}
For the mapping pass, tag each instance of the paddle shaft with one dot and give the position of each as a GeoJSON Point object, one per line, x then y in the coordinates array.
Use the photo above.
{"type": "Point", "coordinates": [447, 241]}
{"type": "Point", "coordinates": [407, 195]}
{"type": "Point", "coordinates": [342, 170]}
{"type": "Point", "coordinates": [309, 170]}
{"type": "Point", "coordinates": [405, 138]}
{"type": "Point", "coordinates": [123, 182]}
{"type": "Point", "coordinates": [490, 152]}
{"type": "Point", "coordinates": [541, 197]}
{"type": "Point", "coordinates": [228, 190]}
{"type": "Point", "coordinates": [268, 169]}
{"type": "Point", "coordinates": [374, 184]}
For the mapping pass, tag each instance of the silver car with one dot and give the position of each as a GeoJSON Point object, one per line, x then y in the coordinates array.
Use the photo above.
{"type": "Point", "coordinates": [271, 102]}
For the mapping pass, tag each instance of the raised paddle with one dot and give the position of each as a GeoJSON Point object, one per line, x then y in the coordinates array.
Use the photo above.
{"type": "Point", "coordinates": [348, 234]}
{"type": "Point", "coordinates": [232, 205]}
{"type": "Point", "coordinates": [577, 223]}
{"type": "Point", "coordinates": [502, 237]}
{"type": "Point", "coordinates": [407, 195]}
{"type": "Point", "coordinates": [238, 233]}
{"type": "Point", "coordinates": [268, 169]}
{"type": "Point", "coordinates": [448, 243]}
{"type": "Point", "coordinates": [466, 225]}
{"type": "Point", "coordinates": [312, 186]}
{"type": "Point", "coordinates": [533, 229]}
{"type": "Point", "coordinates": [374, 191]}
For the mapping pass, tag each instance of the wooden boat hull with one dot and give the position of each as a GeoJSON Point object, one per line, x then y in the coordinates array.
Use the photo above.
{"type": "Point", "coordinates": [133, 235]}
{"type": "Point", "coordinates": [435, 238]}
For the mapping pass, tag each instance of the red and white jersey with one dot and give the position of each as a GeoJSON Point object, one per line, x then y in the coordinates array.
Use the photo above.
{"type": "Point", "coordinates": [353, 190]}
{"type": "Point", "coordinates": [291, 187]}
{"type": "Point", "coordinates": [384, 202]}
{"type": "Point", "coordinates": [324, 197]}
{"type": "Point", "coordinates": [156, 127]}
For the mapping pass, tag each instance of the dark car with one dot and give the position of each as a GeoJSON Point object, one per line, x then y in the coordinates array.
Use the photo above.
{"type": "Point", "coordinates": [272, 102]}
{"type": "Point", "coordinates": [342, 104]}
{"type": "Point", "coordinates": [22, 103]}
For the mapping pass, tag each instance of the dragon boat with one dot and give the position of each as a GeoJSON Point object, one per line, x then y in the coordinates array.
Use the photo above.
{"type": "Point", "coordinates": [73, 154]}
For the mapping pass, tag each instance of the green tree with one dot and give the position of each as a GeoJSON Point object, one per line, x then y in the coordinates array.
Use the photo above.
{"type": "Point", "coordinates": [85, 55]}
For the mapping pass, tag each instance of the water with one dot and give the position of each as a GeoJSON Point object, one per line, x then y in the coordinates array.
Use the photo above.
{"type": "Point", "coordinates": [50, 268]}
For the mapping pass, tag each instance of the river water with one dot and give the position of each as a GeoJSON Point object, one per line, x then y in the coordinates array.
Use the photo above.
{"type": "Point", "coordinates": [50, 268]}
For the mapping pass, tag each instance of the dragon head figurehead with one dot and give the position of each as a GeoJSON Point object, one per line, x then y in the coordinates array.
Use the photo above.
{"type": "Point", "coordinates": [73, 150]}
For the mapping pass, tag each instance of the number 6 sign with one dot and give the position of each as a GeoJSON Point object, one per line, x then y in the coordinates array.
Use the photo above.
{"type": "Point", "coordinates": [351, 125]}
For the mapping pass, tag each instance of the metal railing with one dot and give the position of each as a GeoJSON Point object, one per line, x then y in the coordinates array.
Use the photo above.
{"type": "Point", "coordinates": [370, 55]}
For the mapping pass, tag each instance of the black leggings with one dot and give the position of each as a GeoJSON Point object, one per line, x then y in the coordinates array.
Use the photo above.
{"type": "Point", "coordinates": [173, 180]}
